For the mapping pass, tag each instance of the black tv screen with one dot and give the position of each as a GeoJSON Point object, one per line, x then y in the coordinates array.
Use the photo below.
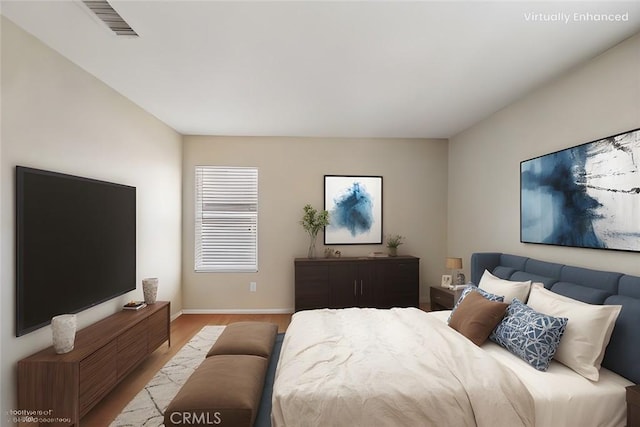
{"type": "Point", "coordinates": [75, 244]}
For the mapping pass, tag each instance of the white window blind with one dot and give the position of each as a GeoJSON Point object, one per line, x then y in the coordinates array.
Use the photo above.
{"type": "Point", "coordinates": [226, 219]}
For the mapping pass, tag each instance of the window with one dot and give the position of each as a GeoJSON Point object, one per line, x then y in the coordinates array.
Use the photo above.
{"type": "Point", "coordinates": [226, 225]}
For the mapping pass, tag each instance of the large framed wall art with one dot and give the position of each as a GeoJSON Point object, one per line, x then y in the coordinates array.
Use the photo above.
{"type": "Point", "coordinates": [586, 196]}
{"type": "Point", "coordinates": [355, 209]}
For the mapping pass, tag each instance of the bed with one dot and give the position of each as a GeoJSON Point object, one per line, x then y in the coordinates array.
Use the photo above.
{"type": "Point", "coordinates": [405, 367]}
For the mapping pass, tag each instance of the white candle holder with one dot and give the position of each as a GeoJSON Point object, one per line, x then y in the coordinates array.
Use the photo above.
{"type": "Point", "coordinates": [150, 289]}
{"type": "Point", "coordinates": [63, 329]}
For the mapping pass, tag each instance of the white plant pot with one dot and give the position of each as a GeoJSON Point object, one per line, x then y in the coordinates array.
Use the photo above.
{"type": "Point", "coordinates": [63, 329]}
{"type": "Point", "coordinates": [150, 290]}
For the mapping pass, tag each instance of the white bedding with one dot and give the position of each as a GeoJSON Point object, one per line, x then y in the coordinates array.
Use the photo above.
{"type": "Point", "coordinates": [399, 367]}
{"type": "Point", "coordinates": [563, 397]}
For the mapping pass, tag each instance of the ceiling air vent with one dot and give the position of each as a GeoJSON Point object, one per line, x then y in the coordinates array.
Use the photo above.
{"type": "Point", "coordinates": [110, 17]}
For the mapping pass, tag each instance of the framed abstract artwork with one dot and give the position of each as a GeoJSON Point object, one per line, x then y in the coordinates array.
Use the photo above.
{"type": "Point", "coordinates": [355, 209]}
{"type": "Point", "coordinates": [586, 196]}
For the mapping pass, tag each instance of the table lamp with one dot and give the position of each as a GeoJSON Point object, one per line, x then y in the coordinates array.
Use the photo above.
{"type": "Point", "coordinates": [455, 264]}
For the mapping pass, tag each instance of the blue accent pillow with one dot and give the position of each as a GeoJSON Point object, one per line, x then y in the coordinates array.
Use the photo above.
{"type": "Point", "coordinates": [474, 288]}
{"type": "Point", "coordinates": [534, 337]}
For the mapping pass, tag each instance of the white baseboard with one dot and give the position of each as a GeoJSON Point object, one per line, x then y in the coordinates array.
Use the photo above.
{"type": "Point", "coordinates": [175, 316]}
{"type": "Point", "coordinates": [238, 311]}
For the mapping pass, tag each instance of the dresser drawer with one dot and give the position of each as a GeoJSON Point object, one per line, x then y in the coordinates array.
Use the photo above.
{"type": "Point", "coordinates": [311, 286]}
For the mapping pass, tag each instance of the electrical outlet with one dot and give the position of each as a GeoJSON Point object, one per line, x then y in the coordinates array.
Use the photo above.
{"type": "Point", "coordinates": [252, 286]}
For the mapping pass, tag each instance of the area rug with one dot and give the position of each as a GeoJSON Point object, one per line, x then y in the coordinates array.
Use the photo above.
{"type": "Point", "coordinates": [147, 408]}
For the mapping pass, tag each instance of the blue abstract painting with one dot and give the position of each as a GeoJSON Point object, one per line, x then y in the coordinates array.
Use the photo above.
{"type": "Point", "coordinates": [355, 209]}
{"type": "Point", "coordinates": [586, 196]}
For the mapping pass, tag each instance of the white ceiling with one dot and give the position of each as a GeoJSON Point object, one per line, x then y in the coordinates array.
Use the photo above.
{"type": "Point", "coordinates": [332, 69]}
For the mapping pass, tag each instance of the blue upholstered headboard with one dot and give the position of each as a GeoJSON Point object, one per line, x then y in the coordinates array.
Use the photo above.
{"type": "Point", "coordinates": [592, 286]}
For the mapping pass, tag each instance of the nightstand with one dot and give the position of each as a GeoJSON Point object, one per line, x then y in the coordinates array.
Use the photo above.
{"type": "Point", "coordinates": [633, 406]}
{"type": "Point", "coordinates": [442, 298]}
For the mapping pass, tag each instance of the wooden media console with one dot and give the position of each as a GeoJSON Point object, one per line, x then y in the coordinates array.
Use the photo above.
{"type": "Point", "coordinates": [65, 387]}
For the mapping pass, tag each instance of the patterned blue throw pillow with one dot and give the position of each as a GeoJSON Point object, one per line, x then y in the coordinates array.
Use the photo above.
{"type": "Point", "coordinates": [474, 288]}
{"type": "Point", "coordinates": [532, 336]}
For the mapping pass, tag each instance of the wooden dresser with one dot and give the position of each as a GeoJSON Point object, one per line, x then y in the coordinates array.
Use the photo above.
{"type": "Point", "coordinates": [67, 386]}
{"type": "Point", "coordinates": [383, 282]}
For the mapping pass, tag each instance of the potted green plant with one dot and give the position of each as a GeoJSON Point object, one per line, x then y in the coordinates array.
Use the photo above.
{"type": "Point", "coordinates": [393, 241]}
{"type": "Point", "coordinates": [312, 221]}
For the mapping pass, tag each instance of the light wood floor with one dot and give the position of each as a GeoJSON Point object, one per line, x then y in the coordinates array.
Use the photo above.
{"type": "Point", "coordinates": [182, 330]}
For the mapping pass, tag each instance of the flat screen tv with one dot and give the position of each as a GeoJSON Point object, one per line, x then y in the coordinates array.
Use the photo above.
{"type": "Point", "coordinates": [75, 244]}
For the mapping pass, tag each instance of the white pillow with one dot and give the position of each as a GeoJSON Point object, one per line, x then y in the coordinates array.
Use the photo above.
{"type": "Point", "coordinates": [587, 333]}
{"type": "Point", "coordinates": [506, 288]}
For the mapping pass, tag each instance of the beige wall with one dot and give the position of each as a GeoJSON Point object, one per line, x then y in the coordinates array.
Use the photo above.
{"type": "Point", "coordinates": [55, 116]}
{"type": "Point", "coordinates": [291, 172]}
{"type": "Point", "coordinates": [3, 400]}
{"type": "Point", "coordinates": [598, 99]}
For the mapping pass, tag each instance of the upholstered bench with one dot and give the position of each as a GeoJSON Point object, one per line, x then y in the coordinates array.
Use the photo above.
{"type": "Point", "coordinates": [226, 388]}
{"type": "Point", "coordinates": [251, 338]}
{"type": "Point", "coordinates": [223, 390]}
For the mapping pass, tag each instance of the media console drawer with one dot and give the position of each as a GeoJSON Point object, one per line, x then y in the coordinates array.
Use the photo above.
{"type": "Point", "coordinates": [69, 385]}
{"type": "Point", "coordinates": [97, 376]}
{"type": "Point", "coordinates": [132, 347]}
{"type": "Point", "coordinates": [159, 328]}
